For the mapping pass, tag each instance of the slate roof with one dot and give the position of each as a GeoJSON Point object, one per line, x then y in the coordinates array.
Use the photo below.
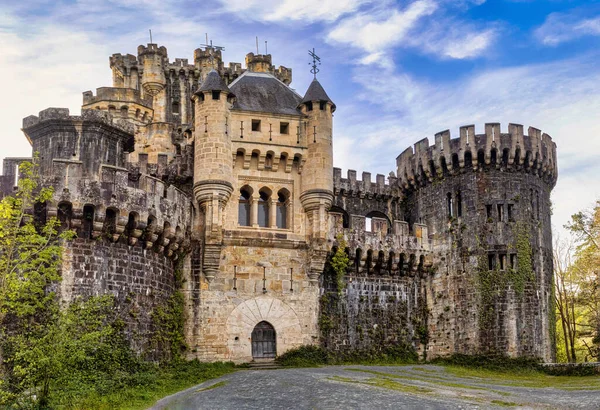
{"type": "Point", "coordinates": [265, 93]}
{"type": "Point", "coordinates": [213, 82]}
{"type": "Point", "coordinates": [316, 92]}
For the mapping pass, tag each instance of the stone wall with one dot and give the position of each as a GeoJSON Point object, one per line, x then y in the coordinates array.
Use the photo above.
{"type": "Point", "coordinates": [254, 283]}
{"type": "Point", "coordinates": [373, 316]}
{"type": "Point", "coordinates": [139, 278]}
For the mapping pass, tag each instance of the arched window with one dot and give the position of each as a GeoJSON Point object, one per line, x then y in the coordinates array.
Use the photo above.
{"type": "Point", "coordinates": [175, 107]}
{"type": "Point", "coordinates": [263, 209]}
{"type": "Point", "coordinates": [124, 111]}
{"type": "Point", "coordinates": [88, 221]}
{"type": "Point", "coordinates": [449, 205]}
{"type": "Point", "coordinates": [376, 221]}
{"type": "Point", "coordinates": [282, 214]}
{"type": "Point", "coordinates": [244, 207]}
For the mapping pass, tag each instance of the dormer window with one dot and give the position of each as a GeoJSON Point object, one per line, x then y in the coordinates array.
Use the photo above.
{"type": "Point", "coordinates": [216, 95]}
{"type": "Point", "coordinates": [255, 125]}
{"type": "Point", "coordinates": [322, 105]}
{"type": "Point", "coordinates": [309, 106]}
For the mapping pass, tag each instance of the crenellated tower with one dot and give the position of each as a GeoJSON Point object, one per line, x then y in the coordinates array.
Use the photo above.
{"type": "Point", "coordinates": [486, 201]}
{"type": "Point", "coordinates": [213, 169]}
{"type": "Point", "coordinates": [317, 181]}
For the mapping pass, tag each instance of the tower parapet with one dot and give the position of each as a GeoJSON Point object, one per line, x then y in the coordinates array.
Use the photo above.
{"type": "Point", "coordinates": [365, 187]}
{"type": "Point", "coordinates": [262, 63]}
{"type": "Point", "coordinates": [95, 192]}
{"type": "Point", "coordinates": [513, 151]}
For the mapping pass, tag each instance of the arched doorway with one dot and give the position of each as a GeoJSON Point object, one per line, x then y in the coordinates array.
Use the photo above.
{"type": "Point", "coordinates": [264, 341]}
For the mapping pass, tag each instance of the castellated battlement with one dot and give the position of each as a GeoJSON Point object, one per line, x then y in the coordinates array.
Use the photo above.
{"type": "Point", "coordinates": [365, 187]}
{"type": "Point", "coordinates": [97, 193]}
{"type": "Point", "coordinates": [114, 94]}
{"type": "Point", "coordinates": [152, 48]}
{"type": "Point", "coordinates": [533, 153]}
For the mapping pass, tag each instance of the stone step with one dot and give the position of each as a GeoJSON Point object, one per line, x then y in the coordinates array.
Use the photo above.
{"type": "Point", "coordinates": [263, 365]}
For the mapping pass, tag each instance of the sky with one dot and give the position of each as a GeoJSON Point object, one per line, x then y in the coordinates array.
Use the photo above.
{"type": "Point", "coordinates": [398, 71]}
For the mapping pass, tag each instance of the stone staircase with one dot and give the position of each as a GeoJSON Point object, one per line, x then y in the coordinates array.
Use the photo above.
{"type": "Point", "coordinates": [263, 364]}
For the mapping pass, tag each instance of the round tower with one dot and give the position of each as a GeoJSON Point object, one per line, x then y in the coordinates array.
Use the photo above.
{"type": "Point", "coordinates": [317, 176]}
{"type": "Point", "coordinates": [486, 201]}
{"type": "Point", "coordinates": [213, 168]}
{"type": "Point", "coordinates": [153, 60]}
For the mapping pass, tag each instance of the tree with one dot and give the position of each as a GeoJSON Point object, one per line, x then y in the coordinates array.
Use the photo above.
{"type": "Point", "coordinates": [30, 252]}
{"type": "Point", "coordinates": [585, 226]}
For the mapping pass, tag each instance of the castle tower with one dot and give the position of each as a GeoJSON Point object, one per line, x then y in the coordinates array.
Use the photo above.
{"type": "Point", "coordinates": [153, 60]}
{"type": "Point", "coordinates": [213, 168]}
{"type": "Point", "coordinates": [206, 60]}
{"type": "Point", "coordinates": [486, 200]}
{"type": "Point", "coordinates": [317, 178]}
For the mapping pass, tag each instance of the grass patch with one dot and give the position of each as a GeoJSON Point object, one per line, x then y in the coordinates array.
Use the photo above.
{"type": "Point", "coordinates": [214, 386]}
{"type": "Point", "coordinates": [438, 381]}
{"type": "Point", "coordinates": [142, 389]}
{"type": "Point", "coordinates": [385, 383]}
{"type": "Point", "coordinates": [526, 378]}
{"type": "Point", "coordinates": [504, 403]}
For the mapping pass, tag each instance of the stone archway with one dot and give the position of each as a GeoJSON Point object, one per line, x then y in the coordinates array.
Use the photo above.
{"type": "Point", "coordinates": [244, 318]}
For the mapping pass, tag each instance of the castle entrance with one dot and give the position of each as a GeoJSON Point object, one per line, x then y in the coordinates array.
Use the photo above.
{"type": "Point", "coordinates": [263, 341]}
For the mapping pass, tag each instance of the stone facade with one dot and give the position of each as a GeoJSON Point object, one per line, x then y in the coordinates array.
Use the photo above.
{"type": "Point", "coordinates": [224, 176]}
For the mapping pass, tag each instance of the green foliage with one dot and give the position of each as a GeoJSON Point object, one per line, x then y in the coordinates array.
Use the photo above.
{"type": "Point", "coordinates": [169, 321]}
{"type": "Point", "coordinates": [340, 262]}
{"type": "Point", "coordinates": [491, 362]}
{"type": "Point", "coordinates": [494, 283]}
{"type": "Point", "coordinates": [304, 356]}
{"type": "Point", "coordinates": [312, 356]}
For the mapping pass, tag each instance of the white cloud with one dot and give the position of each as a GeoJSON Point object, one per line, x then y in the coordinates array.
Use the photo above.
{"type": "Point", "coordinates": [562, 27]}
{"type": "Point", "coordinates": [307, 11]}
{"type": "Point", "coordinates": [379, 29]}
{"type": "Point", "coordinates": [457, 44]}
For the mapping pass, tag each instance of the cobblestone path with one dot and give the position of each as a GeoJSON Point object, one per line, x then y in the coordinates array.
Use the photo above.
{"type": "Point", "coordinates": [378, 387]}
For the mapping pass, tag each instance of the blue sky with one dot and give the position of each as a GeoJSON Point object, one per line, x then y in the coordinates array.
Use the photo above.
{"type": "Point", "coordinates": [398, 71]}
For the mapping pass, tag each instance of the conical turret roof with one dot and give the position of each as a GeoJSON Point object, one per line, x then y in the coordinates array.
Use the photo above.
{"type": "Point", "coordinates": [316, 92]}
{"type": "Point", "coordinates": [213, 82]}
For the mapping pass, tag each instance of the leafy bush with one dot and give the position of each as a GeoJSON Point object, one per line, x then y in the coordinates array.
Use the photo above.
{"type": "Point", "coordinates": [304, 356]}
{"type": "Point", "coordinates": [491, 362]}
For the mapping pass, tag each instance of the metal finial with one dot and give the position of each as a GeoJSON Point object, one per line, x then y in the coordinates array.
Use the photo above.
{"type": "Point", "coordinates": [150, 30]}
{"type": "Point", "coordinates": [212, 48]}
{"type": "Point", "coordinates": [316, 62]}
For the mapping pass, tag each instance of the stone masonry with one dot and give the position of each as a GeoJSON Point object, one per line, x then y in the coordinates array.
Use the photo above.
{"type": "Point", "coordinates": [224, 177]}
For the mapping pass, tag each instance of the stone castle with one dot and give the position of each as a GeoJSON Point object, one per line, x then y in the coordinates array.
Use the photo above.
{"type": "Point", "coordinates": [224, 177]}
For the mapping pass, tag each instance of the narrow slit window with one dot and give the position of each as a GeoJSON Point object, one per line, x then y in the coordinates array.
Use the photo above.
{"type": "Point", "coordinates": [488, 211]}
{"type": "Point", "coordinates": [500, 212]}
{"type": "Point", "coordinates": [449, 205]}
{"type": "Point", "coordinates": [459, 204]}
{"type": "Point", "coordinates": [502, 261]}
{"type": "Point", "coordinates": [216, 95]}
{"type": "Point", "coordinates": [513, 261]}
{"type": "Point", "coordinates": [255, 125]}
{"type": "Point", "coordinates": [511, 212]}
{"type": "Point", "coordinates": [491, 261]}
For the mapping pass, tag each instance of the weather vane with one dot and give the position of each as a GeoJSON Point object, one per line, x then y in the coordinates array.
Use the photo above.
{"type": "Point", "coordinates": [212, 49]}
{"type": "Point", "coordinates": [316, 62]}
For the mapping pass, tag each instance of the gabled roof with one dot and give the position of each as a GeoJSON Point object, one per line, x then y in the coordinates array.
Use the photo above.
{"type": "Point", "coordinates": [263, 92]}
{"type": "Point", "coordinates": [316, 92]}
{"type": "Point", "coordinates": [213, 82]}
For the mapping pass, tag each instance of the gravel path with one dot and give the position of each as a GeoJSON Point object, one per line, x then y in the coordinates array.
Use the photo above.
{"type": "Point", "coordinates": [370, 387]}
